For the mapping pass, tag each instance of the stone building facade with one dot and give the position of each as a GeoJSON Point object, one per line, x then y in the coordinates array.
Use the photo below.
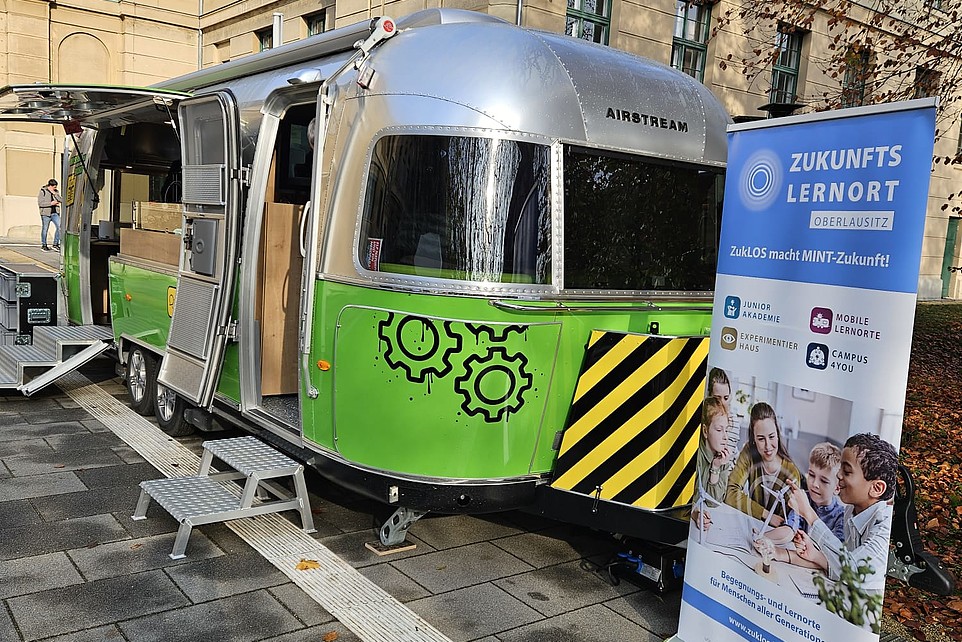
{"type": "Point", "coordinates": [138, 42]}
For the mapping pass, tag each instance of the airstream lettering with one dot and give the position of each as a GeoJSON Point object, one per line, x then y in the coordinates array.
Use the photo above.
{"type": "Point", "coordinates": [455, 297]}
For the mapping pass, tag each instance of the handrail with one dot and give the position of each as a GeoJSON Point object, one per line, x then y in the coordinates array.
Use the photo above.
{"type": "Point", "coordinates": [648, 306]}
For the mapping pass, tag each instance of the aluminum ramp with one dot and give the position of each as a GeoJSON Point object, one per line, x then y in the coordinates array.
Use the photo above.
{"type": "Point", "coordinates": [56, 350]}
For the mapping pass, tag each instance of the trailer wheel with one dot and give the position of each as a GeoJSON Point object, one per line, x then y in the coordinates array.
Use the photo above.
{"type": "Point", "coordinates": [141, 378]}
{"type": "Point", "coordinates": [169, 412]}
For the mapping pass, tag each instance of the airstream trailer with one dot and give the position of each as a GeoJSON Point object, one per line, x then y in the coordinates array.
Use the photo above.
{"type": "Point", "coordinates": [453, 264]}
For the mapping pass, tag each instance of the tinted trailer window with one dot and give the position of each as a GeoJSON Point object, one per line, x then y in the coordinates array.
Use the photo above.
{"type": "Point", "coordinates": [639, 224]}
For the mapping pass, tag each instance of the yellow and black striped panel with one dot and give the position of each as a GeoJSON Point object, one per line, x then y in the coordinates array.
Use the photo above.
{"type": "Point", "coordinates": [633, 425]}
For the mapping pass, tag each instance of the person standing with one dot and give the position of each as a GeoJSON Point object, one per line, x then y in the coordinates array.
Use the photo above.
{"type": "Point", "coordinates": [49, 202]}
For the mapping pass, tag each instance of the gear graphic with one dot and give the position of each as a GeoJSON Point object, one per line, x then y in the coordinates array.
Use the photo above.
{"type": "Point", "coordinates": [496, 333]}
{"type": "Point", "coordinates": [493, 385]}
{"type": "Point", "coordinates": [418, 345]}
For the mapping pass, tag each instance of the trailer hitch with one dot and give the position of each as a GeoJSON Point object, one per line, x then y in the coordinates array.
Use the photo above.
{"type": "Point", "coordinates": [908, 559]}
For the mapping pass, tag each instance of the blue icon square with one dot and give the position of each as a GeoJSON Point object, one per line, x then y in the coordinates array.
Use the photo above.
{"type": "Point", "coordinates": [733, 306]}
{"type": "Point", "coordinates": [817, 356]}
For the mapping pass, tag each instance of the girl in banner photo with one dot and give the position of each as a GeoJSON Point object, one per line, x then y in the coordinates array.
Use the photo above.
{"type": "Point", "coordinates": [762, 468]}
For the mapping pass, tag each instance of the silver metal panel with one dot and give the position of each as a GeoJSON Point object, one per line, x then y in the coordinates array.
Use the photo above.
{"type": "Point", "coordinates": [205, 184]}
{"type": "Point", "coordinates": [186, 497]}
{"type": "Point", "coordinates": [182, 375]}
{"type": "Point", "coordinates": [249, 455]}
{"type": "Point", "coordinates": [50, 337]}
{"type": "Point", "coordinates": [193, 317]}
{"type": "Point", "coordinates": [65, 367]}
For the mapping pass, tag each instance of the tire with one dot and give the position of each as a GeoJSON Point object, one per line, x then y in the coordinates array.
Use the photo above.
{"type": "Point", "coordinates": [141, 381]}
{"type": "Point", "coordinates": [169, 412]}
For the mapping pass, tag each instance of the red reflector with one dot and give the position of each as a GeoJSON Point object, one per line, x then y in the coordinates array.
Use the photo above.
{"type": "Point", "coordinates": [388, 26]}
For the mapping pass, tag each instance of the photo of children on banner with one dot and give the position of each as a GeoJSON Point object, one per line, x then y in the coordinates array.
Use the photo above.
{"type": "Point", "coordinates": [720, 387]}
{"type": "Point", "coordinates": [713, 463]}
{"type": "Point", "coordinates": [866, 483]}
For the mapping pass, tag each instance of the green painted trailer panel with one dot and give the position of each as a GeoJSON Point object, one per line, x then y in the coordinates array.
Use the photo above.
{"type": "Point", "coordinates": [141, 303]}
{"type": "Point", "coordinates": [71, 270]}
{"type": "Point", "coordinates": [453, 387]}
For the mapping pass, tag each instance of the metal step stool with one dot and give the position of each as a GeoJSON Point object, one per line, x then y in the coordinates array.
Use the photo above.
{"type": "Point", "coordinates": [203, 499]}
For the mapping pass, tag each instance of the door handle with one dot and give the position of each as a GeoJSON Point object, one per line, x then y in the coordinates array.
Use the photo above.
{"type": "Point", "coordinates": [305, 214]}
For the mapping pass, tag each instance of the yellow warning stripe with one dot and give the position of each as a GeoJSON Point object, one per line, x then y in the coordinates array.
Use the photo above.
{"type": "Point", "coordinates": [673, 475]}
{"type": "Point", "coordinates": [606, 363]}
{"type": "Point", "coordinates": [620, 394]}
{"type": "Point", "coordinates": [638, 422]}
{"type": "Point", "coordinates": [653, 454]}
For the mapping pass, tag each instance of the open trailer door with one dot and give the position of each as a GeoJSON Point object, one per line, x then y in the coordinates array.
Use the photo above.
{"type": "Point", "coordinates": [54, 350]}
{"type": "Point", "coordinates": [212, 194]}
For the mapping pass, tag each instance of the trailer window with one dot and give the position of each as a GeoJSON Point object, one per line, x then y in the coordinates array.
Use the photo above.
{"type": "Point", "coordinates": [638, 224]}
{"type": "Point", "coordinates": [455, 207]}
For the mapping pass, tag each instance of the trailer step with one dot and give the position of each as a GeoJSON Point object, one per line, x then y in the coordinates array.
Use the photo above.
{"type": "Point", "coordinates": [210, 497]}
{"type": "Point", "coordinates": [55, 351]}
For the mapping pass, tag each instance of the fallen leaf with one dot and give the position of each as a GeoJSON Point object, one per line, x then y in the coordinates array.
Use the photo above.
{"type": "Point", "coordinates": [932, 523]}
{"type": "Point", "coordinates": [955, 605]}
{"type": "Point", "coordinates": [307, 565]}
{"type": "Point", "coordinates": [330, 636]}
{"type": "Point", "coordinates": [134, 547]}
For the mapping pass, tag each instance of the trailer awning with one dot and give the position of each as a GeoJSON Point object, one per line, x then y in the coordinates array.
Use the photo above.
{"type": "Point", "coordinates": [92, 106]}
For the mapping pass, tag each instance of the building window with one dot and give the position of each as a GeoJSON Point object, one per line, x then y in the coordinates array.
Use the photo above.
{"type": "Point", "coordinates": [265, 38]}
{"type": "Point", "coordinates": [934, 4]}
{"type": "Point", "coordinates": [788, 44]}
{"type": "Point", "coordinates": [315, 24]}
{"type": "Point", "coordinates": [589, 20]}
{"type": "Point", "coordinates": [857, 68]}
{"type": "Point", "coordinates": [926, 82]}
{"type": "Point", "coordinates": [689, 48]}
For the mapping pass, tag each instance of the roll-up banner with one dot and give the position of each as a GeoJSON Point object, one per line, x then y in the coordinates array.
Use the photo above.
{"type": "Point", "coordinates": [811, 336]}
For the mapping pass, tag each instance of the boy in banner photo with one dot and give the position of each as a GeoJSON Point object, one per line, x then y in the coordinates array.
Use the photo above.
{"type": "Point", "coordinates": [867, 480]}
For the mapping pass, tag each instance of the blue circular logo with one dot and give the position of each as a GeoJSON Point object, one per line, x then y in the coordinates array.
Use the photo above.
{"type": "Point", "coordinates": [761, 180]}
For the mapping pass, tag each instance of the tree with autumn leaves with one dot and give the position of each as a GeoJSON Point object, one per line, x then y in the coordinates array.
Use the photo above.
{"type": "Point", "coordinates": [848, 53]}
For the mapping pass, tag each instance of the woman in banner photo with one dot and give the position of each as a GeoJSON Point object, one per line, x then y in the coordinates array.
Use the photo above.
{"type": "Point", "coordinates": [758, 480]}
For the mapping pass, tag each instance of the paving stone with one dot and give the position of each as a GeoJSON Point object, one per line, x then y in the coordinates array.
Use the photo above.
{"type": "Point", "coordinates": [158, 522]}
{"type": "Point", "coordinates": [562, 588]}
{"type": "Point", "coordinates": [39, 486]}
{"type": "Point", "coordinates": [403, 588]}
{"type": "Point", "coordinates": [89, 502]}
{"type": "Point", "coordinates": [241, 618]}
{"type": "Point", "coordinates": [15, 402]}
{"type": "Point", "coordinates": [101, 634]}
{"type": "Point", "coordinates": [23, 447]}
{"type": "Point", "coordinates": [301, 604]}
{"type": "Point", "coordinates": [340, 518]}
{"type": "Point", "coordinates": [591, 624]}
{"type": "Point", "coordinates": [79, 441]}
{"type": "Point", "coordinates": [17, 513]}
{"type": "Point", "coordinates": [94, 425]}
{"type": "Point", "coordinates": [61, 414]}
{"type": "Point", "coordinates": [658, 613]}
{"type": "Point", "coordinates": [7, 630]}
{"type": "Point", "coordinates": [32, 574]}
{"type": "Point", "coordinates": [128, 475]}
{"type": "Point", "coordinates": [553, 546]}
{"type": "Point", "coordinates": [448, 531]}
{"type": "Point", "coordinates": [37, 539]}
{"type": "Point", "coordinates": [38, 430]}
{"type": "Point", "coordinates": [455, 568]}
{"type": "Point", "coordinates": [136, 555]}
{"type": "Point", "coordinates": [226, 575]}
{"type": "Point", "coordinates": [226, 539]}
{"type": "Point", "coordinates": [317, 633]}
{"type": "Point", "coordinates": [8, 418]}
{"type": "Point", "coordinates": [128, 455]}
{"type": "Point", "coordinates": [472, 613]}
{"type": "Point", "coordinates": [43, 463]}
{"type": "Point", "coordinates": [93, 604]}
{"type": "Point", "coordinates": [350, 548]}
